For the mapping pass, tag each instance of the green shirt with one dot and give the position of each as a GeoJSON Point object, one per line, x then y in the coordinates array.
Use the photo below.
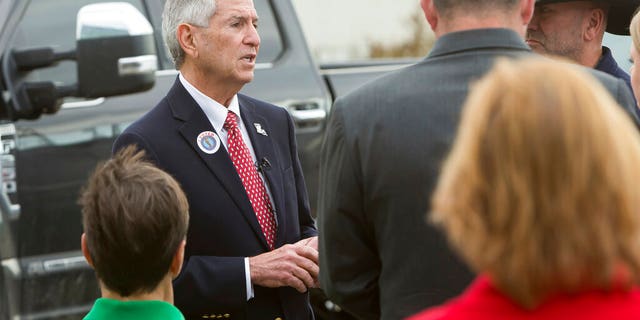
{"type": "Point", "coordinates": [124, 310]}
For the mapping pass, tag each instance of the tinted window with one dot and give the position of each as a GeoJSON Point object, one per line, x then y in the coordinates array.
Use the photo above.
{"type": "Point", "coordinates": [271, 46]}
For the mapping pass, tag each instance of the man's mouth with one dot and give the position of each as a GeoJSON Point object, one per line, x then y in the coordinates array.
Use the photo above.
{"type": "Point", "coordinates": [530, 38]}
{"type": "Point", "coordinates": [249, 58]}
{"type": "Point", "coordinates": [531, 41]}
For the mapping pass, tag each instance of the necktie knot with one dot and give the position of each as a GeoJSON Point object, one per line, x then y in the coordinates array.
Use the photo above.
{"type": "Point", "coordinates": [231, 122]}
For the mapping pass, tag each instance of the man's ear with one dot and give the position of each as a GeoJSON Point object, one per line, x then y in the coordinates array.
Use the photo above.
{"type": "Point", "coordinates": [594, 24]}
{"type": "Point", "coordinates": [430, 13]}
{"type": "Point", "coordinates": [527, 8]}
{"type": "Point", "coordinates": [85, 250]}
{"type": "Point", "coordinates": [178, 259]}
{"type": "Point", "coordinates": [186, 35]}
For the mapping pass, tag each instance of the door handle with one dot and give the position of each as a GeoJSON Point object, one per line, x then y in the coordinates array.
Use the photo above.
{"type": "Point", "coordinates": [308, 115]}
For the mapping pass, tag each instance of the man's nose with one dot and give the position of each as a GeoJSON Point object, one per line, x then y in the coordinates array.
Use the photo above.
{"type": "Point", "coordinates": [533, 24]}
{"type": "Point", "coordinates": [252, 37]}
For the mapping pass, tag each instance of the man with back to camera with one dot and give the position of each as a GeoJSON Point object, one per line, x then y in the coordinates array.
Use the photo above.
{"type": "Point", "coordinates": [381, 156]}
{"type": "Point", "coordinates": [575, 29]}
{"type": "Point", "coordinates": [251, 248]}
{"type": "Point", "coordinates": [135, 220]}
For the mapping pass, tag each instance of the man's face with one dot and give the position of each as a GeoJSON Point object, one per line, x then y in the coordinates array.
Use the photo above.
{"type": "Point", "coordinates": [228, 47]}
{"type": "Point", "coordinates": [557, 28]}
{"type": "Point", "coordinates": [635, 73]}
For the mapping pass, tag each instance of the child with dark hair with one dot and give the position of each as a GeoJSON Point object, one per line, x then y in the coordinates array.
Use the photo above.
{"type": "Point", "coordinates": [135, 219]}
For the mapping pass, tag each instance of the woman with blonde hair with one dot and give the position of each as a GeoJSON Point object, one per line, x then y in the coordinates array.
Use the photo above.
{"type": "Point", "coordinates": [540, 197]}
{"type": "Point", "coordinates": [634, 29]}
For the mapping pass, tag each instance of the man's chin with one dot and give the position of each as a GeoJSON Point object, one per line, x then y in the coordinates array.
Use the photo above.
{"type": "Point", "coordinates": [244, 77]}
{"type": "Point", "coordinates": [247, 78]}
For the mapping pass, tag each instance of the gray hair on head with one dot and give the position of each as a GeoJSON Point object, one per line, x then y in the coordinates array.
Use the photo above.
{"type": "Point", "coordinates": [176, 12]}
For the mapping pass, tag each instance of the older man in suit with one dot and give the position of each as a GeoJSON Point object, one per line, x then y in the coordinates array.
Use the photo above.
{"type": "Point", "coordinates": [382, 153]}
{"type": "Point", "coordinates": [251, 248]}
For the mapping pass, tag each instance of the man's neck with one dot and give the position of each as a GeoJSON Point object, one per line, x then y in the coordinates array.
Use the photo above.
{"type": "Point", "coordinates": [216, 90]}
{"type": "Point", "coordinates": [591, 56]}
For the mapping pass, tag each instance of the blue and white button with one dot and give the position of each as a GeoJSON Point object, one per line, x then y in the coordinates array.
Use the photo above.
{"type": "Point", "coordinates": [208, 142]}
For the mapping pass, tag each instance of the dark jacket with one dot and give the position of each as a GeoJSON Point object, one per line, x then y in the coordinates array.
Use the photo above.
{"type": "Point", "coordinates": [608, 64]}
{"type": "Point", "coordinates": [382, 153]}
{"type": "Point", "coordinates": [223, 228]}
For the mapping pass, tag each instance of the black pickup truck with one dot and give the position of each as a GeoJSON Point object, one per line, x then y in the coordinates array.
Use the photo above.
{"type": "Point", "coordinates": [74, 75]}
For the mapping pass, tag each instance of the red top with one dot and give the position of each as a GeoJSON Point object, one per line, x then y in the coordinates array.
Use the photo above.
{"type": "Point", "coordinates": [483, 301]}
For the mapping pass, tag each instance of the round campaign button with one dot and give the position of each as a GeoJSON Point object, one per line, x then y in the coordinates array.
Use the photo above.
{"type": "Point", "coordinates": [209, 142]}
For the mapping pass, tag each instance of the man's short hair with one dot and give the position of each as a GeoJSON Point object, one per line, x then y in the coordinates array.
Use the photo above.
{"type": "Point", "coordinates": [176, 12]}
{"type": "Point", "coordinates": [135, 217]}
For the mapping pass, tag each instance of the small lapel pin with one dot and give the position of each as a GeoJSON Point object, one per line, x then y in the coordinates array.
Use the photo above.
{"type": "Point", "coordinates": [208, 142]}
{"type": "Point", "coordinates": [260, 130]}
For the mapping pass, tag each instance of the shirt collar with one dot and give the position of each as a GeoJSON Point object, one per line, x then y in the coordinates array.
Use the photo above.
{"type": "Point", "coordinates": [215, 111]}
{"type": "Point", "coordinates": [105, 308]}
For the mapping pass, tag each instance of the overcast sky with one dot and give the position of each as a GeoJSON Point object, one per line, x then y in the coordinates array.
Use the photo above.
{"type": "Point", "coordinates": [341, 29]}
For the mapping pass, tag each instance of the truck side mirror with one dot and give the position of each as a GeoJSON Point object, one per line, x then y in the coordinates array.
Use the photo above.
{"type": "Point", "coordinates": [115, 54]}
{"type": "Point", "coordinates": [115, 50]}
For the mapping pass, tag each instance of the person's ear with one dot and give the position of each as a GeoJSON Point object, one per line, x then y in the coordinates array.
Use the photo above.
{"type": "Point", "coordinates": [595, 24]}
{"type": "Point", "coordinates": [527, 8]}
{"type": "Point", "coordinates": [85, 250]}
{"type": "Point", "coordinates": [186, 35]}
{"type": "Point", "coordinates": [178, 259]}
{"type": "Point", "coordinates": [430, 13]}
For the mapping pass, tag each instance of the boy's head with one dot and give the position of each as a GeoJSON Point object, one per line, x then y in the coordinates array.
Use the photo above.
{"type": "Point", "coordinates": [135, 219]}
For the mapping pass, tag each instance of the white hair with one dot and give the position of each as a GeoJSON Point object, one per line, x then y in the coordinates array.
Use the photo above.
{"type": "Point", "coordinates": [196, 12]}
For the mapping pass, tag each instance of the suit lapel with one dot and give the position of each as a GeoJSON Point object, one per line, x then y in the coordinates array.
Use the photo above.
{"type": "Point", "coordinates": [264, 149]}
{"type": "Point", "coordinates": [220, 164]}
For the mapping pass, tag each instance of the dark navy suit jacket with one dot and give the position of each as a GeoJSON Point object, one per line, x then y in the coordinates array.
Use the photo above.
{"type": "Point", "coordinates": [223, 228]}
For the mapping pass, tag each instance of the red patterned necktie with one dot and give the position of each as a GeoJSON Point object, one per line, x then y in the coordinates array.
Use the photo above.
{"type": "Point", "coordinates": [251, 181]}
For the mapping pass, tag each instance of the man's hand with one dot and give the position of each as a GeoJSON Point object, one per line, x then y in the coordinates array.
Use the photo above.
{"type": "Point", "coordinates": [309, 242]}
{"type": "Point", "coordinates": [292, 265]}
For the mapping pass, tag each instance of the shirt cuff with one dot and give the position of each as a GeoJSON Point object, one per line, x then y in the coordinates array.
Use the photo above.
{"type": "Point", "coordinates": [247, 276]}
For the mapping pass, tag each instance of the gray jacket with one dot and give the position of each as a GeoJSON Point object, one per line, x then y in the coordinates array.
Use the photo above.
{"type": "Point", "coordinates": [382, 153]}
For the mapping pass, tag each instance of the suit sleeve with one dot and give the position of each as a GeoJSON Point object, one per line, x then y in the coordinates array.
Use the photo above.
{"type": "Point", "coordinates": [307, 224]}
{"type": "Point", "coordinates": [206, 284]}
{"type": "Point", "coordinates": [349, 264]}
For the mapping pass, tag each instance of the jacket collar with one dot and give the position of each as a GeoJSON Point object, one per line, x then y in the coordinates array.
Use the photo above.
{"type": "Point", "coordinates": [478, 39]}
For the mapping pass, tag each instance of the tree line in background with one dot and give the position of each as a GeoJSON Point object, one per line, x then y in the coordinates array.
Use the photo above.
{"type": "Point", "coordinates": [417, 45]}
